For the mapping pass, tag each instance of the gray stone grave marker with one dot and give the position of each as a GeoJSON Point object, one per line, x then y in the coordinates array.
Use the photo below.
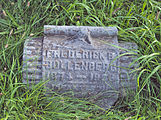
{"type": "Point", "coordinates": [77, 59]}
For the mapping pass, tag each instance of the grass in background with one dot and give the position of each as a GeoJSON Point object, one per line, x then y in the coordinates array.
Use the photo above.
{"type": "Point", "coordinates": [138, 21]}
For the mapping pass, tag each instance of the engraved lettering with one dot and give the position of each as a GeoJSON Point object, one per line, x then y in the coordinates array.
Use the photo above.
{"type": "Point", "coordinates": [78, 54]}
{"type": "Point", "coordinates": [77, 66]}
{"type": "Point", "coordinates": [91, 66]}
{"type": "Point", "coordinates": [70, 65]}
{"type": "Point", "coordinates": [97, 77]}
{"type": "Point", "coordinates": [64, 54]}
{"type": "Point", "coordinates": [53, 76]}
{"type": "Point", "coordinates": [49, 54]}
{"type": "Point", "coordinates": [56, 64]}
{"type": "Point", "coordinates": [81, 68]}
{"type": "Point", "coordinates": [105, 66]}
{"type": "Point", "coordinates": [85, 54]}
{"type": "Point", "coordinates": [96, 55]}
{"type": "Point", "coordinates": [110, 55]}
{"type": "Point", "coordinates": [63, 65]}
{"type": "Point", "coordinates": [101, 56]}
{"type": "Point", "coordinates": [84, 66]}
{"type": "Point", "coordinates": [91, 76]}
{"type": "Point", "coordinates": [56, 54]}
{"type": "Point", "coordinates": [99, 66]}
{"type": "Point", "coordinates": [71, 54]}
{"type": "Point", "coordinates": [59, 76]}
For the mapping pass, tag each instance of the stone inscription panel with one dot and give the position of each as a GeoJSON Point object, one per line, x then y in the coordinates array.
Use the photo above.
{"type": "Point", "coordinates": [71, 63]}
{"type": "Point", "coordinates": [84, 69]}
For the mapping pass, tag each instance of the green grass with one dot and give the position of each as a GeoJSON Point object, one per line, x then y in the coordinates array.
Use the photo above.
{"type": "Point", "coordinates": [138, 21]}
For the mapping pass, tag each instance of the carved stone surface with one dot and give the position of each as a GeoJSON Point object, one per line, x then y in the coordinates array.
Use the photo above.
{"type": "Point", "coordinates": [77, 59]}
{"type": "Point", "coordinates": [127, 74]}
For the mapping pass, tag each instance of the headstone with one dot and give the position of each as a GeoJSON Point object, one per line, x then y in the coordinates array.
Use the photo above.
{"type": "Point", "coordinates": [78, 59]}
{"type": "Point", "coordinates": [128, 74]}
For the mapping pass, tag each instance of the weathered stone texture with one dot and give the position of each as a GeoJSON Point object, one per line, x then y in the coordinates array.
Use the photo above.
{"type": "Point", "coordinates": [77, 59]}
{"type": "Point", "coordinates": [127, 75]}
{"type": "Point", "coordinates": [32, 60]}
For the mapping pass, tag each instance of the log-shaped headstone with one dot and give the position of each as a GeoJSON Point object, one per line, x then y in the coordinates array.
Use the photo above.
{"type": "Point", "coordinates": [78, 59]}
